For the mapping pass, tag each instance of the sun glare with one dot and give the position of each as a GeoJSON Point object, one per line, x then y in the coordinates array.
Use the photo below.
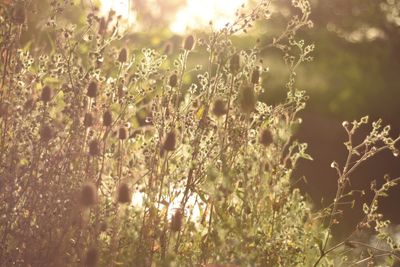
{"type": "Point", "coordinates": [194, 14]}
{"type": "Point", "coordinates": [198, 13]}
{"type": "Point", "coordinates": [121, 8]}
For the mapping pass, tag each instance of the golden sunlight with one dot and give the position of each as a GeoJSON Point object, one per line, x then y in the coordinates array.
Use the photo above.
{"type": "Point", "coordinates": [121, 8]}
{"type": "Point", "coordinates": [198, 13]}
{"type": "Point", "coordinates": [194, 14]}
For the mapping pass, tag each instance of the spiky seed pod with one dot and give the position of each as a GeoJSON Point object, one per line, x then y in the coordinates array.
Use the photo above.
{"type": "Point", "coordinates": [170, 141]}
{"type": "Point", "coordinates": [255, 76]}
{"type": "Point", "coordinates": [247, 210]}
{"type": "Point", "coordinates": [88, 195]}
{"type": "Point", "coordinates": [266, 137]}
{"type": "Point", "coordinates": [92, 257]}
{"type": "Point", "coordinates": [176, 221]}
{"type": "Point", "coordinates": [123, 133]}
{"type": "Point", "coordinates": [173, 80]}
{"type": "Point", "coordinates": [19, 14]}
{"type": "Point", "coordinates": [107, 118]}
{"type": "Point", "coordinates": [88, 120]}
{"type": "Point", "coordinates": [94, 148]}
{"type": "Point", "coordinates": [3, 109]}
{"type": "Point", "coordinates": [168, 48]}
{"type": "Point", "coordinates": [29, 104]}
{"type": "Point", "coordinates": [47, 94]}
{"type": "Point", "coordinates": [46, 133]}
{"type": "Point", "coordinates": [247, 99]}
{"type": "Point", "coordinates": [123, 55]}
{"type": "Point", "coordinates": [219, 108]}
{"type": "Point", "coordinates": [124, 193]}
{"type": "Point", "coordinates": [92, 89]}
{"type": "Point", "coordinates": [102, 26]}
{"type": "Point", "coordinates": [234, 64]}
{"type": "Point", "coordinates": [189, 43]}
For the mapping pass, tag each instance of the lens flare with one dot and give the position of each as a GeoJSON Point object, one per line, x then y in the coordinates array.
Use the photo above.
{"type": "Point", "coordinates": [198, 14]}
{"type": "Point", "coordinates": [193, 15]}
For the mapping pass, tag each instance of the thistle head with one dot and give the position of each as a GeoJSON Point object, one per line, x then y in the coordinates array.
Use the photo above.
{"type": "Point", "coordinates": [92, 257]}
{"type": "Point", "coordinates": [94, 148]}
{"type": "Point", "coordinates": [176, 221]}
{"type": "Point", "coordinates": [189, 43]}
{"type": "Point", "coordinates": [247, 99]}
{"type": "Point", "coordinates": [88, 120]}
{"type": "Point", "coordinates": [219, 108]}
{"type": "Point", "coordinates": [170, 141]}
{"type": "Point", "coordinates": [92, 89]}
{"type": "Point", "coordinates": [107, 118]}
{"type": "Point", "coordinates": [47, 94]}
{"type": "Point", "coordinates": [124, 193]}
{"type": "Point", "coordinates": [88, 195]}
{"type": "Point", "coordinates": [123, 55]}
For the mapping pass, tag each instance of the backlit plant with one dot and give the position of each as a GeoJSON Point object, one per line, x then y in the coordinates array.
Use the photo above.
{"type": "Point", "coordinates": [112, 155]}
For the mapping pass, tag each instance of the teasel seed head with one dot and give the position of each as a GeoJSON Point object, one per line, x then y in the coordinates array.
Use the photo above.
{"type": "Point", "coordinates": [47, 94]}
{"type": "Point", "coordinates": [255, 76]}
{"type": "Point", "coordinates": [189, 43]}
{"type": "Point", "coordinates": [123, 55]}
{"type": "Point", "coordinates": [92, 257]}
{"type": "Point", "coordinates": [3, 109]}
{"type": "Point", "coordinates": [88, 195]}
{"type": "Point", "coordinates": [94, 148]}
{"type": "Point", "coordinates": [88, 120]}
{"type": "Point", "coordinates": [107, 118]}
{"type": "Point", "coordinates": [168, 48]}
{"type": "Point", "coordinates": [92, 89]}
{"type": "Point", "coordinates": [173, 80]}
{"type": "Point", "coordinates": [266, 137]}
{"type": "Point", "coordinates": [176, 221]}
{"type": "Point", "coordinates": [46, 133]}
{"type": "Point", "coordinates": [247, 99]}
{"type": "Point", "coordinates": [170, 141]}
{"type": "Point", "coordinates": [124, 194]}
{"type": "Point", "coordinates": [123, 133]}
{"type": "Point", "coordinates": [19, 14]}
{"type": "Point", "coordinates": [234, 64]}
{"type": "Point", "coordinates": [102, 26]}
{"type": "Point", "coordinates": [219, 108]}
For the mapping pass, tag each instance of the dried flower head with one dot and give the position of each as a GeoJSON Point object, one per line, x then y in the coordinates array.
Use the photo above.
{"type": "Point", "coordinates": [123, 133]}
{"type": "Point", "coordinates": [102, 26]}
{"type": "Point", "coordinates": [29, 104]}
{"type": "Point", "coordinates": [234, 64]}
{"type": "Point", "coordinates": [107, 118]}
{"type": "Point", "coordinates": [170, 141]}
{"type": "Point", "coordinates": [255, 76]}
{"type": "Point", "coordinates": [47, 94]}
{"type": "Point", "coordinates": [189, 43]}
{"type": "Point", "coordinates": [19, 15]}
{"type": "Point", "coordinates": [88, 120]}
{"type": "Point", "coordinates": [92, 89]}
{"type": "Point", "coordinates": [219, 108]}
{"type": "Point", "coordinates": [173, 80]}
{"type": "Point", "coordinates": [92, 257]}
{"type": "Point", "coordinates": [247, 99]}
{"type": "Point", "coordinates": [88, 195]}
{"type": "Point", "coordinates": [124, 193]}
{"type": "Point", "coordinates": [176, 221]}
{"type": "Point", "coordinates": [266, 137]}
{"type": "Point", "coordinates": [94, 148]}
{"type": "Point", "coordinates": [168, 48]}
{"type": "Point", "coordinates": [3, 109]}
{"type": "Point", "coordinates": [123, 55]}
{"type": "Point", "coordinates": [46, 133]}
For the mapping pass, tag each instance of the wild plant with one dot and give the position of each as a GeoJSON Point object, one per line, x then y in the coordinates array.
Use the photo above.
{"type": "Point", "coordinates": [117, 156]}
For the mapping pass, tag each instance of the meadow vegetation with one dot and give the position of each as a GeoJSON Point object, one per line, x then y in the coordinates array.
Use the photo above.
{"type": "Point", "coordinates": [118, 155]}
